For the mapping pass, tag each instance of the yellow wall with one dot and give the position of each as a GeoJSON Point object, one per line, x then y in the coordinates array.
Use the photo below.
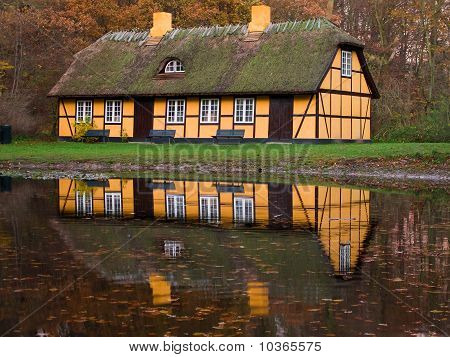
{"type": "Point", "coordinates": [345, 116]}
{"type": "Point", "coordinates": [67, 118]}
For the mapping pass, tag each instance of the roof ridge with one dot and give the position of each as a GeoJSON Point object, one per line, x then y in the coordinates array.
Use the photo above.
{"type": "Point", "coordinates": [138, 35]}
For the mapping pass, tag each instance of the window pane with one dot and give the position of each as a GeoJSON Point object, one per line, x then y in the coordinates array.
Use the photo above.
{"type": "Point", "coordinates": [174, 66]}
{"type": "Point", "coordinates": [84, 111]}
{"type": "Point", "coordinates": [346, 68]}
{"type": "Point", "coordinates": [210, 111]}
{"type": "Point", "coordinates": [239, 110]}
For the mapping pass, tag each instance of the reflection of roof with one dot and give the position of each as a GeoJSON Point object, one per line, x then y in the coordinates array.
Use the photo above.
{"type": "Point", "coordinates": [216, 267]}
{"type": "Point", "coordinates": [289, 57]}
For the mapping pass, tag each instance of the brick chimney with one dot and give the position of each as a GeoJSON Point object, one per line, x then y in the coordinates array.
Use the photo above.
{"type": "Point", "coordinates": [260, 18]}
{"type": "Point", "coordinates": [162, 23]}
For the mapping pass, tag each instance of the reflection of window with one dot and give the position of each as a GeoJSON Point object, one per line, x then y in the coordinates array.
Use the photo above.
{"type": "Point", "coordinates": [243, 210]}
{"type": "Point", "coordinates": [344, 257]}
{"type": "Point", "coordinates": [209, 208]}
{"type": "Point", "coordinates": [175, 206]}
{"type": "Point", "coordinates": [83, 203]}
{"type": "Point", "coordinates": [346, 69]}
{"type": "Point", "coordinates": [113, 204]}
{"type": "Point", "coordinates": [172, 248]}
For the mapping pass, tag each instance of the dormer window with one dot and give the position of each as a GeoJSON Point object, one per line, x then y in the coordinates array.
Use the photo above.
{"type": "Point", "coordinates": [174, 66]}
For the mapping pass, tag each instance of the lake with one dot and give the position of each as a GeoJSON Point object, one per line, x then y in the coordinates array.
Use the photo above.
{"type": "Point", "coordinates": [174, 257]}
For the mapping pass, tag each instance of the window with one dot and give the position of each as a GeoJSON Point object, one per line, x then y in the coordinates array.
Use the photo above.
{"type": "Point", "coordinates": [209, 208]}
{"type": "Point", "coordinates": [174, 66]}
{"type": "Point", "coordinates": [175, 111]}
{"type": "Point", "coordinates": [346, 68]}
{"type": "Point", "coordinates": [113, 204]}
{"type": "Point", "coordinates": [113, 111]}
{"type": "Point", "coordinates": [84, 111]}
{"type": "Point", "coordinates": [243, 210]}
{"type": "Point", "coordinates": [175, 206]}
{"type": "Point", "coordinates": [209, 111]}
{"type": "Point", "coordinates": [244, 110]}
{"type": "Point", "coordinates": [83, 203]}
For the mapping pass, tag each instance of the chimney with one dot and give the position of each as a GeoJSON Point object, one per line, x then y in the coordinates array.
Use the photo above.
{"type": "Point", "coordinates": [330, 8]}
{"type": "Point", "coordinates": [260, 18]}
{"type": "Point", "coordinates": [162, 23]}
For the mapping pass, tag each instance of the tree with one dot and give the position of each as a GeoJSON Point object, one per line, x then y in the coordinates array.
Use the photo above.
{"type": "Point", "coordinates": [4, 66]}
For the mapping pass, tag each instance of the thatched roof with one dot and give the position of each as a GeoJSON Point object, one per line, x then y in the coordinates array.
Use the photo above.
{"type": "Point", "coordinates": [290, 57]}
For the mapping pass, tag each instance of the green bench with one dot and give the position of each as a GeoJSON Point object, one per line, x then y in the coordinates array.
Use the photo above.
{"type": "Point", "coordinates": [229, 136]}
{"type": "Point", "coordinates": [101, 135]}
{"type": "Point", "coordinates": [162, 136]}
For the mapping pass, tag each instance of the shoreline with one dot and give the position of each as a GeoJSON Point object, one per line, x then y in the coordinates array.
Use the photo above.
{"type": "Point", "coordinates": [404, 173]}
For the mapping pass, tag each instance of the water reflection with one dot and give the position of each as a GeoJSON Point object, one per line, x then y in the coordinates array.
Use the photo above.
{"type": "Point", "coordinates": [339, 216]}
{"type": "Point", "coordinates": [177, 257]}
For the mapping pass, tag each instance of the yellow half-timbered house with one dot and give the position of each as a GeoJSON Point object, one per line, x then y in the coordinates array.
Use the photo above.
{"type": "Point", "coordinates": [305, 81]}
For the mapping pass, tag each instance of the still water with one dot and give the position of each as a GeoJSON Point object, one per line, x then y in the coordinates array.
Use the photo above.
{"type": "Point", "coordinates": [147, 257]}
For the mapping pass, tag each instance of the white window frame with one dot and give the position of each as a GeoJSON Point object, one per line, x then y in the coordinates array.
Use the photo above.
{"type": "Point", "coordinates": [209, 110]}
{"type": "Point", "coordinates": [84, 203]}
{"type": "Point", "coordinates": [113, 204]}
{"type": "Point", "coordinates": [83, 111]}
{"type": "Point", "coordinates": [209, 208]}
{"type": "Point", "coordinates": [174, 66]}
{"type": "Point", "coordinates": [248, 210]}
{"type": "Point", "coordinates": [346, 64]}
{"type": "Point", "coordinates": [241, 110]}
{"type": "Point", "coordinates": [174, 108]}
{"type": "Point", "coordinates": [113, 111]}
{"type": "Point", "coordinates": [177, 209]}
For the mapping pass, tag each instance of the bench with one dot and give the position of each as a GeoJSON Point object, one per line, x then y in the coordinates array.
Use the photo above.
{"type": "Point", "coordinates": [162, 136]}
{"type": "Point", "coordinates": [229, 136]}
{"type": "Point", "coordinates": [98, 134]}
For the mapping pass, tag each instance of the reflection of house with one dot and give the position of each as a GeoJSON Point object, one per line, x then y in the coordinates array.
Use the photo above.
{"type": "Point", "coordinates": [339, 216]}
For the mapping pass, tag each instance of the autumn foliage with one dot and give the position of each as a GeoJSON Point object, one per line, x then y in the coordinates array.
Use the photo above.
{"type": "Point", "coordinates": [406, 40]}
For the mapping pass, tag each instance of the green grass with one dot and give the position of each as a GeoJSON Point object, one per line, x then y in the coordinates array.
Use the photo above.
{"type": "Point", "coordinates": [61, 152]}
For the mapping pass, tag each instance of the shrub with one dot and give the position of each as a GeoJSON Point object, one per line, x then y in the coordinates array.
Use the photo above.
{"type": "Point", "coordinates": [80, 130]}
{"type": "Point", "coordinates": [431, 127]}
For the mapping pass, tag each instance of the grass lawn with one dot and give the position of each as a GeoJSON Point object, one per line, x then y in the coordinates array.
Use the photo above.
{"type": "Point", "coordinates": [60, 152]}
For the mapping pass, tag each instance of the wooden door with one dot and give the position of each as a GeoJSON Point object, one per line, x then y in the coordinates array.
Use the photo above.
{"type": "Point", "coordinates": [280, 206]}
{"type": "Point", "coordinates": [143, 117]}
{"type": "Point", "coordinates": [280, 122]}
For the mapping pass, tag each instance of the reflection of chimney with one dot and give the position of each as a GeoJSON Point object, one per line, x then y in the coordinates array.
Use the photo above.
{"type": "Point", "coordinates": [162, 23]}
{"type": "Point", "coordinates": [260, 18]}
